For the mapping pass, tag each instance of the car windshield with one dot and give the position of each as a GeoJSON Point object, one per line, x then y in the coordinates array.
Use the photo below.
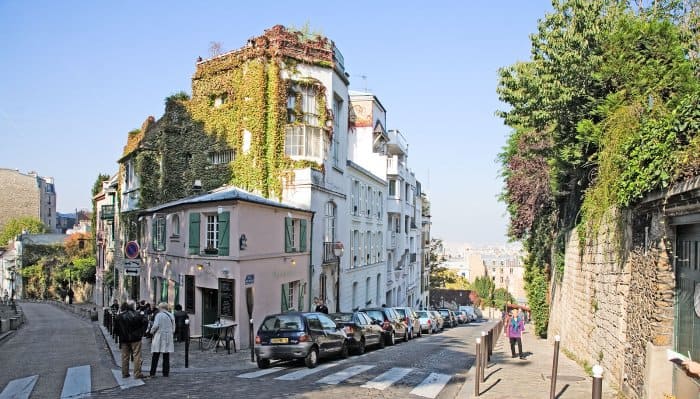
{"type": "Point", "coordinates": [422, 314]}
{"type": "Point", "coordinates": [401, 312]}
{"type": "Point", "coordinates": [375, 314]}
{"type": "Point", "coordinates": [444, 312]}
{"type": "Point", "coordinates": [282, 323]}
{"type": "Point", "coordinates": [341, 316]}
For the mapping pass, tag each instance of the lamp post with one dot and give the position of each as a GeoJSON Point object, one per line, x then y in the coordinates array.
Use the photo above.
{"type": "Point", "coordinates": [338, 250]}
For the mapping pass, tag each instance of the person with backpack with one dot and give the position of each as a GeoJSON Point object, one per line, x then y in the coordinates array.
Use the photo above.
{"type": "Point", "coordinates": [130, 326]}
{"type": "Point", "coordinates": [514, 331]}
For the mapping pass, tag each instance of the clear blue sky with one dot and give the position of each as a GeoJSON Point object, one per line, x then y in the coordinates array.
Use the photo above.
{"type": "Point", "coordinates": [76, 76]}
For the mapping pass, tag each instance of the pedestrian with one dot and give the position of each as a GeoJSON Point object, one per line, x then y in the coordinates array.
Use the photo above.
{"type": "Point", "coordinates": [130, 327]}
{"type": "Point", "coordinates": [162, 329]}
{"type": "Point", "coordinates": [180, 324]}
{"type": "Point", "coordinates": [514, 331]}
{"type": "Point", "coordinates": [115, 306]}
{"type": "Point", "coordinates": [321, 307]}
{"type": "Point", "coordinates": [315, 304]}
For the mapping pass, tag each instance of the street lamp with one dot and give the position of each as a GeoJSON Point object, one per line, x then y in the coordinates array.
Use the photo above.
{"type": "Point", "coordinates": [338, 250]}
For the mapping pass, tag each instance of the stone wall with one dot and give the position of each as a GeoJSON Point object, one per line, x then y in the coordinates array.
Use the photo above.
{"type": "Point", "coordinates": [616, 298]}
{"type": "Point", "coordinates": [19, 196]}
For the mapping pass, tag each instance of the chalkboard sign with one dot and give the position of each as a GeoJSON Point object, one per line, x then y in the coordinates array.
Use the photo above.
{"type": "Point", "coordinates": [226, 302]}
{"type": "Point", "coordinates": [189, 294]}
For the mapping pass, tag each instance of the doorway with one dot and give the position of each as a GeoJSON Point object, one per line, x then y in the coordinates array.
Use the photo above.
{"type": "Point", "coordinates": [210, 306]}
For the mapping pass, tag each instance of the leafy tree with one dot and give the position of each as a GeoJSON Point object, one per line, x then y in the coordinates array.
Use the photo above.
{"type": "Point", "coordinates": [501, 297]}
{"type": "Point", "coordinates": [440, 276]}
{"type": "Point", "coordinates": [79, 245]}
{"type": "Point", "coordinates": [484, 287]}
{"type": "Point", "coordinates": [14, 227]}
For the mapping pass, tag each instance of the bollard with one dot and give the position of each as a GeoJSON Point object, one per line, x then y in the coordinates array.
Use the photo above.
{"type": "Point", "coordinates": [187, 344]}
{"type": "Point", "coordinates": [555, 366]}
{"type": "Point", "coordinates": [477, 370]}
{"type": "Point", "coordinates": [489, 348]}
{"type": "Point", "coordinates": [597, 381]}
{"type": "Point", "coordinates": [483, 355]}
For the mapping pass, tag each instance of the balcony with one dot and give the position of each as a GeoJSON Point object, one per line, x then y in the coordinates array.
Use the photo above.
{"type": "Point", "coordinates": [328, 255]}
{"type": "Point", "coordinates": [395, 167]}
{"type": "Point", "coordinates": [107, 212]}
{"type": "Point", "coordinates": [397, 143]}
{"type": "Point", "coordinates": [391, 241]}
{"type": "Point", "coordinates": [394, 205]}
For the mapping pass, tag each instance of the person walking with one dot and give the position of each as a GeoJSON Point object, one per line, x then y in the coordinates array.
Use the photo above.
{"type": "Point", "coordinates": [162, 330]}
{"type": "Point", "coordinates": [180, 324]}
{"type": "Point", "coordinates": [321, 306]}
{"type": "Point", "coordinates": [130, 327]}
{"type": "Point", "coordinates": [514, 331]}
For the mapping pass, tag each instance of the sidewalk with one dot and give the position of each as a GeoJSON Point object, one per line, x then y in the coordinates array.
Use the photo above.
{"type": "Point", "coordinates": [510, 378]}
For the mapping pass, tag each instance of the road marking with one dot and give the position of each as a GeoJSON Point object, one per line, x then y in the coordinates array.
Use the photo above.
{"type": "Point", "coordinates": [341, 376]}
{"type": "Point", "coordinates": [260, 373]}
{"type": "Point", "coordinates": [77, 383]}
{"type": "Point", "coordinates": [297, 375]}
{"type": "Point", "coordinates": [20, 388]}
{"type": "Point", "coordinates": [125, 383]}
{"type": "Point", "coordinates": [432, 385]}
{"type": "Point", "coordinates": [385, 380]}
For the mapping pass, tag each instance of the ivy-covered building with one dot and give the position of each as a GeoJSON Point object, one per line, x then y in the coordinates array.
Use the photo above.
{"type": "Point", "coordinates": [273, 118]}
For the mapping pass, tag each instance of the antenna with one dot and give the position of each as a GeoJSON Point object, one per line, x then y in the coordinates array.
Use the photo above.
{"type": "Point", "coordinates": [364, 82]}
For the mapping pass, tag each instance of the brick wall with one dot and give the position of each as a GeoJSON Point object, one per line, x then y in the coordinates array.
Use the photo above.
{"type": "Point", "coordinates": [19, 196]}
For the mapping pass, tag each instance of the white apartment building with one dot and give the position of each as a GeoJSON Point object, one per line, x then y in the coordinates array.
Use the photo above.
{"type": "Point", "coordinates": [106, 234]}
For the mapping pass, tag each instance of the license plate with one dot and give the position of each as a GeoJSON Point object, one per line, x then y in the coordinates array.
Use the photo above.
{"type": "Point", "coordinates": [279, 340]}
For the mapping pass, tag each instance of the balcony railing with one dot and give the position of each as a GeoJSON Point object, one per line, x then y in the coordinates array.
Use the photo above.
{"type": "Point", "coordinates": [391, 241]}
{"type": "Point", "coordinates": [328, 255]}
{"type": "Point", "coordinates": [107, 212]}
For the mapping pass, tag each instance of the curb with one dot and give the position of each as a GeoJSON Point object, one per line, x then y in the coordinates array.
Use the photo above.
{"type": "Point", "coordinates": [6, 335]}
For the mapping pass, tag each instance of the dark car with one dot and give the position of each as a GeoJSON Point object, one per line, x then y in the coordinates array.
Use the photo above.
{"type": "Point", "coordinates": [299, 335]}
{"type": "Point", "coordinates": [449, 316]}
{"type": "Point", "coordinates": [391, 323]}
{"type": "Point", "coordinates": [360, 329]}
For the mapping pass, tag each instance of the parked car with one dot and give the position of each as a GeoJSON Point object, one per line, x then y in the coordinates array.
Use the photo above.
{"type": "Point", "coordinates": [411, 321]}
{"type": "Point", "coordinates": [449, 316]}
{"type": "Point", "coordinates": [299, 335]}
{"type": "Point", "coordinates": [470, 312]}
{"type": "Point", "coordinates": [427, 321]}
{"type": "Point", "coordinates": [440, 321]}
{"type": "Point", "coordinates": [462, 317]}
{"type": "Point", "coordinates": [360, 329]}
{"type": "Point", "coordinates": [391, 323]}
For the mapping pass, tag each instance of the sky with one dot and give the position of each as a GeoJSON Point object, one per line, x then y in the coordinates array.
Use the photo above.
{"type": "Point", "coordinates": [76, 76]}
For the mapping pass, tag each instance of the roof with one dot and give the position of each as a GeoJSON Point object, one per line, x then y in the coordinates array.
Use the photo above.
{"type": "Point", "coordinates": [225, 193]}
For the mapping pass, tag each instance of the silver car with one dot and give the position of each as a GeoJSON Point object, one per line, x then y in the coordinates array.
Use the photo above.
{"type": "Point", "coordinates": [427, 322]}
{"type": "Point", "coordinates": [438, 319]}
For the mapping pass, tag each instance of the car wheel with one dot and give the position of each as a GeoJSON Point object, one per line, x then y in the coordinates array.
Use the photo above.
{"type": "Point", "coordinates": [409, 335]}
{"type": "Point", "coordinates": [344, 351]}
{"type": "Point", "coordinates": [382, 342]}
{"type": "Point", "coordinates": [391, 339]}
{"type": "Point", "coordinates": [263, 363]}
{"type": "Point", "coordinates": [405, 336]}
{"type": "Point", "coordinates": [420, 332]}
{"type": "Point", "coordinates": [311, 359]}
{"type": "Point", "coordinates": [361, 347]}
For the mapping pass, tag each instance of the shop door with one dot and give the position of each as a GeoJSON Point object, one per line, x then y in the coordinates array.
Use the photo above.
{"type": "Point", "coordinates": [210, 307]}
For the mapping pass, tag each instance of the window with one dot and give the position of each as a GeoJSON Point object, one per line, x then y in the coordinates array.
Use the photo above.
{"type": "Point", "coordinates": [379, 290]}
{"type": "Point", "coordinates": [322, 287]}
{"type": "Point", "coordinates": [221, 157]}
{"type": "Point", "coordinates": [367, 298]}
{"type": "Point", "coordinates": [368, 247]}
{"type": "Point", "coordinates": [158, 237]}
{"type": "Point", "coordinates": [331, 210]}
{"type": "Point", "coordinates": [355, 197]}
{"type": "Point", "coordinates": [294, 235]}
{"type": "Point", "coordinates": [355, 247]}
{"type": "Point", "coordinates": [308, 104]}
{"type": "Point", "coordinates": [392, 188]}
{"type": "Point", "coordinates": [220, 100]}
{"type": "Point", "coordinates": [291, 105]}
{"type": "Point", "coordinates": [247, 138]}
{"type": "Point", "coordinates": [212, 232]}
{"type": "Point", "coordinates": [368, 201]}
{"type": "Point", "coordinates": [175, 225]}
{"type": "Point", "coordinates": [380, 246]}
{"type": "Point", "coordinates": [361, 200]}
{"type": "Point", "coordinates": [354, 294]}
{"type": "Point", "coordinates": [337, 107]}
{"type": "Point", "coordinates": [406, 224]}
{"type": "Point", "coordinates": [292, 297]}
{"type": "Point", "coordinates": [303, 141]}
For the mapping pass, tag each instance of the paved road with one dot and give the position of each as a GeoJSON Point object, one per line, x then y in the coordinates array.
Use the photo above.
{"type": "Point", "coordinates": [56, 354]}
{"type": "Point", "coordinates": [429, 367]}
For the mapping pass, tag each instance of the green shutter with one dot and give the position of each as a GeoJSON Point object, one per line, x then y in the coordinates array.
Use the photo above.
{"type": "Point", "coordinates": [300, 299]}
{"type": "Point", "coordinates": [288, 245]}
{"type": "Point", "coordinates": [285, 305]}
{"type": "Point", "coordinates": [154, 233]}
{"type": "Point", "coordinates": [302, 236]}
{"type": "Point", "coordinates": [164, 291]}
{"type": "Point", "coordinates": [194, 234]}
{"type": "Point", "coordinates": [224, 233]}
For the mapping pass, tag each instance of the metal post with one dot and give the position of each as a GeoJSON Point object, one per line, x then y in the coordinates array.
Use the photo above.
{"type": "Point", "coordinates": [483, 355]}
{"type": "Point", "coordinates": [555, 366]}
{"type": "Point", "coordinates": [490, 346]}
{"type": "Point", "coordinates": [187, 344]}
{"type": "Point", "coordinates": [477, 370]}
{"type": "Point", "coordinates": [597, 381]}
{"type": "Point", "coordinates": [251, 340]}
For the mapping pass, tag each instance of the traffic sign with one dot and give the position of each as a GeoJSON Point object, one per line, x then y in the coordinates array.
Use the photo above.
{"type": "Point", "coordinates": [132, 271]}
{"type": "Point", "coordinates": [249, 279]}
{"type": "Point", "coordinates": [131, 249]}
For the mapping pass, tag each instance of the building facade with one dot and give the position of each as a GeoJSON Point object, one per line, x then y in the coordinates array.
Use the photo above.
{"type": "Point", "coordinates": [108, 246]}
{"type": "Point", "coordinates": [27, 195]}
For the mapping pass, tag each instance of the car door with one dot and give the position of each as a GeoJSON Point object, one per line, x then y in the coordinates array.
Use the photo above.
{"type": "Point", "coordinates": [373, 333]}
{"type": "Point", "coordinates": [335, 337]}
{"type": "Point", "coordinates": [318, 335]}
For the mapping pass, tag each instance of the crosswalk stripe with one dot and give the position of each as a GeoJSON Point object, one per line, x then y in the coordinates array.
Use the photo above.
{"type": "Point", "coordinates": [341, 376]}
{"type": "Point", "coordinates": [125, 383]}
{"type": "Point", "coordinates": [385, 380]}
{"type": "Point", "coordinates": [260, 373]}
{"type": "Point", "coordinates": [297, 375]}
{"type": "Point", "coordinates": [20, 388]}
{"type": "Point", "coordinates": [432, 385]}
{"type": "Point", "coordinates": [77, 383]}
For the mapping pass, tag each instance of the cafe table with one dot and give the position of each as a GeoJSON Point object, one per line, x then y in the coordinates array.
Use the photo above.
{"type": "Point", "coordinates": [224, 330]}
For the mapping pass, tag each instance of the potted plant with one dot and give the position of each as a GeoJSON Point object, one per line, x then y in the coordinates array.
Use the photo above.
{"type": "Point", "coordinates": [211, 251]}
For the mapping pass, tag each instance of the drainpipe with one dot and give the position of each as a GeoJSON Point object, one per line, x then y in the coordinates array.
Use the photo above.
{"type": "Point", "coordinates": [311, 261]}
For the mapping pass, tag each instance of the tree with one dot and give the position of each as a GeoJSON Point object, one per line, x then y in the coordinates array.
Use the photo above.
{"type": "Point", "coordinates": [79, 245]}
{"type": "Point", "coordinates": [484, 286]}
{"type": "Point", "coordinates": [15, 227]}
{"type": "Point", "coordinates": [440, 276]}
{"type": "Point", "coordinates": [501, 297]}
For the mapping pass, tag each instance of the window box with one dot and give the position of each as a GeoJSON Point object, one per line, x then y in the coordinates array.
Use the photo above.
{"type": "Point", "coordinates": [211, 251]}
